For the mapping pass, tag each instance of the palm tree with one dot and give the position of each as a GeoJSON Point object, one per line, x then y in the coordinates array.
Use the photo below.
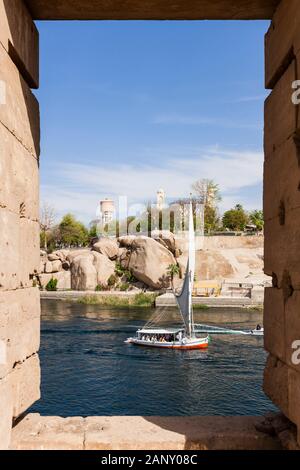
{"type": "Point", "coordinates": [172, 271]}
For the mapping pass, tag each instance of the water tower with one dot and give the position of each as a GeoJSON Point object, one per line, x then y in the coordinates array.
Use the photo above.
{"type": "Point", "coordinates": [107, 208]}
{"type": "Point", "coordinates": [160, 199]}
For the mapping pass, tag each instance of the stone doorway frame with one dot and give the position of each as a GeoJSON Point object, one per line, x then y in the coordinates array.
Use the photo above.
{"type": "Point", "coordinates": [19, 191]}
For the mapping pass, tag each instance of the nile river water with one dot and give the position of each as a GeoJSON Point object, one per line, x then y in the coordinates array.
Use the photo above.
{"type": "Point", "coordinates": [88, 370]}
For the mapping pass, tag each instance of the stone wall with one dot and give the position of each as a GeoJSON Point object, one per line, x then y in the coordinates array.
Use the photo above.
{"type": "Point", "coordinates": [282, 210]}
{"type": "Point", "coordinates": [152, 9]}
{"type": "Point", "coordinates": [19, 152]}
{"type": "Point", "coordinates": [19, 212]}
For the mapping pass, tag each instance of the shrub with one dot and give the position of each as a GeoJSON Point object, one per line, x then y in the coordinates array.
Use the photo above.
{"type": "Point", "coordinates": [89, 300]}
{"type": "Point", "coordinates": [124, 287]}
{"type": "Point", "coordinates": [200, 307]}
{"type": "Point", "coordinates": [119, 270]}
{"type": "Point", "coordinates": [112, 280]}
{"type": "Point", "coordinates": [52, 285]}
{"type": "Point", "coordinates": [101, 288]}
{"type": "Point", "coordinates": [138, 300]}
{"type": "Point", "coordinates": [129, 276]}
{"type": "Point", "coordinates": [144, 300]}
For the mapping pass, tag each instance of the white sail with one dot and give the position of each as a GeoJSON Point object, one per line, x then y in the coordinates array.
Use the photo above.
{"type": "Point", "coordinates": [184, 299]}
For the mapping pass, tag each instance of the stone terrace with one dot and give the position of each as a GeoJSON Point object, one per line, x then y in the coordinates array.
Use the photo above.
{"type": "Point", "coordinates": [141, 433]}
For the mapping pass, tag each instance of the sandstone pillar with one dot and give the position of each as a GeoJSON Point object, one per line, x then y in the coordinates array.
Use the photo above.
{"type": "Point", "coordinates": [282, 211]}
{"type": "Point", "coordinates": [19, 212]}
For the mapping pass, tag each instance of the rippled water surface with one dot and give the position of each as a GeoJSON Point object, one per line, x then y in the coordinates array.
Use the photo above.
{"type": "Point", "coordinates": [88, 370]}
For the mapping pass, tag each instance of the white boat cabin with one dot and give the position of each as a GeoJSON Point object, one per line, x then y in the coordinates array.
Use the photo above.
{"type": "Point", "coordinates": [167, 335]}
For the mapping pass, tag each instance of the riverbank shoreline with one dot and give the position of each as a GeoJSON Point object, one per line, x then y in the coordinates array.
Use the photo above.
{"type": "Point", "coordinates": [166, 300]}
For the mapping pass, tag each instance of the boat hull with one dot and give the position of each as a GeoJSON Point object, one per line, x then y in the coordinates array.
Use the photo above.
{"type": "Point", "coordinates": [257, 332]}
{"type": "Point", "coordinates": [199, 343]}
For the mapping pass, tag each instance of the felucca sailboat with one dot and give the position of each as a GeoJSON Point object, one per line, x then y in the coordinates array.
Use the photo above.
{"type": "Point", "coordinates": [177, 338]}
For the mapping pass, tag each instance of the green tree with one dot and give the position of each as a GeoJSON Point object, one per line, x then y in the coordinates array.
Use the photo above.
{"type": "Point", "coordinates": [211, 219]}
{"type": "Point", "coordinates": [52, 285]}
{"type": "Point", "coordinates": [256, 217]}
{"type": "Point", "coordinates": [93, 231]}
{"type": "Point", "coordinates": [172, 271]}
{"type": "Point", "coordinates": [208, 192]}
{"type": "Point", "coordinates": [235, 219]}
{"type": "Point", "coordinates": [73, 232]}
{"type": "Point", "coordinates": [47, 219]}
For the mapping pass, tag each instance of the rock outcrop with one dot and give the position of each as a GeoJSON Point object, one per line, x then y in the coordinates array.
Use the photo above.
{"type": "Point", "coordinates": [90, 270]}
{"type": "Point", "coordinates": [104, 268]}
{"type": "Point", "coordinates": [212, 265]}
{"type": "Point", "coordinates": [108, 247]}
{"type": "Point", "coordinates": [56, 266]}
{"type": "Point", "coordinates": [148, 261]}
{"type": "Point", "coordinates": [83, 273]}
{"type": "Point", "coordinates": [166, 239]}
{"type": "Point", "coordinates": [63, 280]}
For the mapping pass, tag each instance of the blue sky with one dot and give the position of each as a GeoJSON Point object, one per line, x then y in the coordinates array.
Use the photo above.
{"type": "Point", "coordinates": [131, 107]}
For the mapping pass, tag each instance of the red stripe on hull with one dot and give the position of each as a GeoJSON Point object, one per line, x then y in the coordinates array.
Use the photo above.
{"type": "Point", "coordinates": [185, 347]}
{"type": "Point", "coordinates": [192, 346]}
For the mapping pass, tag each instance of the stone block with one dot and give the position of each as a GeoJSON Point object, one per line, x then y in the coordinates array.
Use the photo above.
{"type": "Point", "coordinates": [282, 180]}
{"type": "Point", "coordinates": [282, 40]}
{"type": "Point", "coordinates": [19, 247]}
{"type": "Point", "coordinates": [9, 249]}
{"type": "Point", "coordinates": [19, 175]}
{"type": "Point", "coordinates": [274, 323]}
{"type": "Point", "coordinates": [5, 413]}
{"type": "Point", "coordinates": [292, 331]}
{"type": "Point", "coordinates": [276, 383]}
{"type": "Point", "coordinates": [29, 249]}
{"type": "Point", "coordinates": [49, 433]}
{"type": "Point", "coordinates": [25, 384]}
{"type": "Point", "coordinates": [20, 38]}
{"type": "Point", "coordinates": [282, 247]}
{"type": "Point", "coordinates": [280, 112]}
{"type": "Point", "coordinates": [19, 325]}
{"type": "Point", "coordinates": [20, 111]}
{"type": "Point", "coordinates": [173, 433]}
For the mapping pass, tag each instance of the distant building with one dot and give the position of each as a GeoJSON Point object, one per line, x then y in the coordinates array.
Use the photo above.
{"type": "Point", "coordinates": [161, 199]}
{"type": "Point", "coordinates": [107, 209]}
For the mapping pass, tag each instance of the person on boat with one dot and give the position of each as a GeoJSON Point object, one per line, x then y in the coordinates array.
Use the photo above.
{"type": "Point", "coordinates": [258, 327]}
{"type": "Point", "coordinates": [179, 336]}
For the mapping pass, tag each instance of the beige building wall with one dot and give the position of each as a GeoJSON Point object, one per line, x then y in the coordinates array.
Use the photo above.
{"type": "Point", "coordinates": [19, 213]}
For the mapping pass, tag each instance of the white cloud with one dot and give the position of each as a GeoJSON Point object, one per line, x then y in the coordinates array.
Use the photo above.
{"type": "Point", "coordinates": [247, 99]}
{"type": "Point", "coordinates": [78, 188]}
{"type": "Point", "coordinates": [195, 120]}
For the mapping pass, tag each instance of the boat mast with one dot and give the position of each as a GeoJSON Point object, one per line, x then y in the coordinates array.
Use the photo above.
{"type": "Point", "coordinates": [191, 269]}
{"type": "Point", "coordinates": [184, 299]}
